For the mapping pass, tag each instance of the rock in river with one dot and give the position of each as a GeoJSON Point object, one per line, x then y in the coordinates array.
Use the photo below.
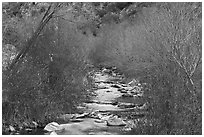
{"type": "Point", "coordinates": [11, 128]}
{"type": "Point", "coordinates": [53, 126]}
{"type": "Point", "coordinates": [126, 105]}
{"type": "Point", "coordinates": [76, 120]}
{"type": "Point", "coordinates": [115, 121]}
{"type": "Point", "coordinates": [81, 115]}
{"type": "Point", "coordinates": [99, 121]}
{"type": "Point", "coordinates": [127, 95]}
{"type": "Point", "coordinates": [134, 82]}
{"type": "Point", "coordinates": [123, 91]}
{"type": "Point", "coordinates": [115, 86]}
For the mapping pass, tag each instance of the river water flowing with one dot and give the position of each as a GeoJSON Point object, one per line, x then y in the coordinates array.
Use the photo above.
{"type": "Point", "coordinates": [113, 110]}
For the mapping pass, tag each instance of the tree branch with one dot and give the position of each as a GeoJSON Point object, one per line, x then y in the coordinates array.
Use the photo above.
{"type": "Point", "coordinates": [47, 16]}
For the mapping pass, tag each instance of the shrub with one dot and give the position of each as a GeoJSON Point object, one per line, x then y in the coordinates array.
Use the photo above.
{"type": "Point", "coordinates": [161, 45]}
{"type": "Point", "coordinates": [174, 100]}
{"type": "Point", "coordinates": [41, 89]}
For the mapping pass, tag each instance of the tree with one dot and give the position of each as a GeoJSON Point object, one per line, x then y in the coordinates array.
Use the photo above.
{"type": "Point", "coordinates": [47, 16]}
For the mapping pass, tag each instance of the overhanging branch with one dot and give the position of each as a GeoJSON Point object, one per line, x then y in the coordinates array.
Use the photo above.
{"type": "Point", "coordinates": [31, 42]}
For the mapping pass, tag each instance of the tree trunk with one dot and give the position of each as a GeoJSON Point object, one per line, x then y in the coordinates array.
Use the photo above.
{"type": "Point", "coordinates": [31, 42]}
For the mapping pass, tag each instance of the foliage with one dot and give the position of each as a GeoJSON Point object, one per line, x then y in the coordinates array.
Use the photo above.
{"type": "Point", "coordinates": [160, 43]}
{"type": "Point", "coordinates": [176, 43]}
{"type": "Point", "coordinates": [37, 88]}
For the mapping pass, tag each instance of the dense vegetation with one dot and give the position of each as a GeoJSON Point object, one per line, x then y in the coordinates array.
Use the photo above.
{"type": "Point", "coordinates": [158, 43]}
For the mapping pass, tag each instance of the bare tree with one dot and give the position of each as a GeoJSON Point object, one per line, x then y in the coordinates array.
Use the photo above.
{"type": "Point", "coordinates": [31, 42]}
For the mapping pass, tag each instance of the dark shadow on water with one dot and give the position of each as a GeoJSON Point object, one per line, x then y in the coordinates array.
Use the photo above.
{"type": "Point", "coordinates": [38, 131]}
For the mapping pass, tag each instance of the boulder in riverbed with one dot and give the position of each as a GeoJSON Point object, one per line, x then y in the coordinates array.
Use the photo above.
{"type": "Point", "coordinates": [53, 126]}
{"type": "Point", "coordinates": [115, 121]}
{"type": "Point", "coordinates": [76, 120]}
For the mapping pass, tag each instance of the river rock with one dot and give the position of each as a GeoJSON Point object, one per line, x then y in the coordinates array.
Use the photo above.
{"type": "Point", "coordinates": [134, 82]}
{"type": "Point", "coordinates": [91, 133]}
{"type": "Point", "coordinates": [128, 88]}
{"type": "Point", "coordinates": [98, 82]}
{"type": "Point", "coordinates": [127, 95]}
{"type": "Point", "coordinates": [76, 120]}
{"type": "Point", "coordinates": [28, 130]}
{"type": "Point", "coordinates": [114, 103]}
{"type": "Point", "coordinates": [127, 129]}
{"type": "Point", "coordinates": [100, 116]}
{"type": "Point", "coordinates": [115, 121]}
{"type": "Point", "coordinates": [139, 95]}
{"type": "Point", "coordinates": [115, 86]}
{"type": "Point", "coordinates": [25, 124]}
{"type": "Point", "coordinates": [102, 87]}
{"type": "Point", "coordinates": [106, 71]}
{"type": "Point", "coordinates": [108, 82]}
{"type": "Point", "coordinates": [53, 126]}
{"type": "Point", "coordinates": [105, 118]}
{"type": "Point", "coordinates": [124, 85]}
{"type": "Point", "coordinates": [136, 89]}
{"type": "Point", "coordinates": [11, 128]}
{"type": "Point", "coordinates": [114, 74]}
{"type": "Point", "coordinates": [81, 115]}
{"type": "Point", "coordinates": [35, 124]}
{"type": "Point", "coordinates": [123, 91]}
{"type": "Point", "coordinates": [126, 105]}
{"type": "Point", "coordinates": [145, 106]}
{"type": "Point", "coordinates": [53, 133]}
{"type": "Point", "coordinates": [94, 114]}
{"type": "Point", "coordinates": [99, 121]}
